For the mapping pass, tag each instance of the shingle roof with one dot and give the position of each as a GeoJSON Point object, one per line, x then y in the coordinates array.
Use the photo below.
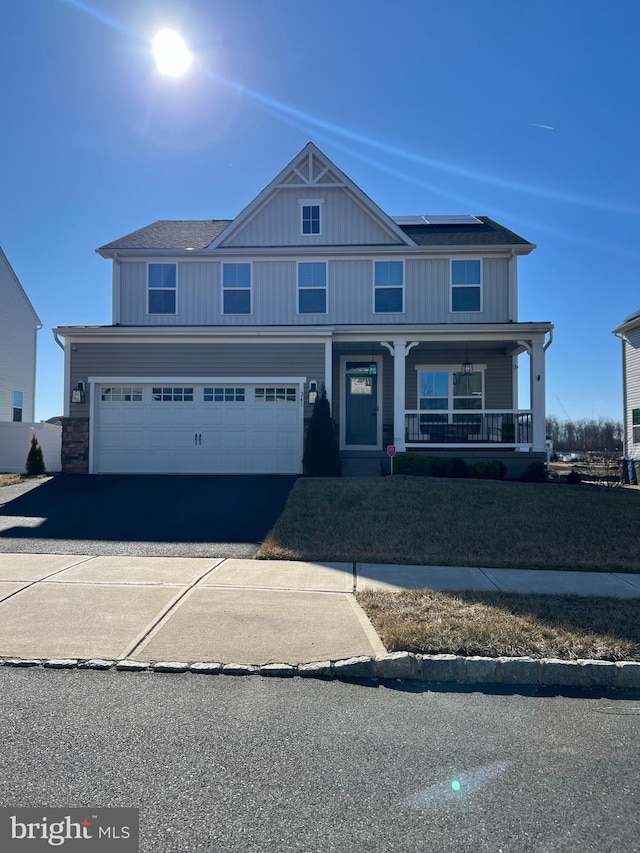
{"type": "Point", "coordinates": [490, 233]}
{"type": "Point", "coordinates": [171, 234]}
{"type": "Point", "coordinates": [199, 233]}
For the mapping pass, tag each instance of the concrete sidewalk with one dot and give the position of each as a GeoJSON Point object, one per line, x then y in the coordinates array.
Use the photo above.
{"type": "Point", "coordinates": [226, 610]}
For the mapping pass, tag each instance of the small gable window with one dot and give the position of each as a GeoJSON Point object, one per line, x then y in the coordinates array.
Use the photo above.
{"type": "Point", "coordinates": [466, 286]}
{"type": "Point", "coordinates": [236, 288]}
{"type": "Point", "coordinates": [310, 216]}
{"type": "Point", "coordinates": [162, 289]}
{"type": "Point", "coordinates": [312, 288]}
{"type": "Point", "coordinates": [388, 287]}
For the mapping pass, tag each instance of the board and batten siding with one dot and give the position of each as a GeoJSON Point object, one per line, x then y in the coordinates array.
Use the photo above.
{"type": "Point", "coordinates": [18, 331]}
{"type": "Point", "coordinates": [632, 389]}
{"type": "Point", "coordinates": [231, 360]}
{"type": "Point", "coordinates": [343, 222]}
{"type": "Point", "coordinates": [350, 296]}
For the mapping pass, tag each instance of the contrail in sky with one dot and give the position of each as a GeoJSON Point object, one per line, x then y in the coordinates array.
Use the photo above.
{"type": "Point", "coordinates": [543, 126]}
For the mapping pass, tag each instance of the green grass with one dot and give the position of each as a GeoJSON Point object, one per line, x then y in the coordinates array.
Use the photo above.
{"type": "Point", "coordinates": [426, 521]}
{"type": "Point", "coordinates": [494, 624]}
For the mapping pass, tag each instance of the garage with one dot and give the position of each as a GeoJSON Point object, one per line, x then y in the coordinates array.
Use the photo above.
{"type": "Point", "coordinates": [190, 428]}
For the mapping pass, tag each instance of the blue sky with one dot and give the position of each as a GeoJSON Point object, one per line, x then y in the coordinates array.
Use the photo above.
{"type": "Point", "coordinates": [523, 111]}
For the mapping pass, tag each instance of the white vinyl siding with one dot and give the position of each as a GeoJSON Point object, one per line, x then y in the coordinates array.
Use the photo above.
{"type": "Point", "coordinates": [18, 329]}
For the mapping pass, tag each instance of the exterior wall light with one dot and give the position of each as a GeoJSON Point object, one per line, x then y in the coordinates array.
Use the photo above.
{"type": "Point", "coordinates": [313, 392]}
{"type": "Point", "coordinates": [77, 393]}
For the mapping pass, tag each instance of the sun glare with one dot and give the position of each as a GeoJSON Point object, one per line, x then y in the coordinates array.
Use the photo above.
{"type": "Point", "coordinates": [170, 51]}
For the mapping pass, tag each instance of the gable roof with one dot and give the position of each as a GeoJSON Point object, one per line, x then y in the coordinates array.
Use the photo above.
{"type": "Point", "coordinates": [312, 170]}
{"type": "Point", "coordinates": [16, 280]}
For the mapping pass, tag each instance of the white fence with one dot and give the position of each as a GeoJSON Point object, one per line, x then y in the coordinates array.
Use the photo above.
{"type": "Point", "coordinates": [15, 441]}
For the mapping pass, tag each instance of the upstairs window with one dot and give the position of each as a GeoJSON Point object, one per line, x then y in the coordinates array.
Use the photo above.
{"type": "Point", "coordinates": [18, 401]}
{"type": "Point", "coordinates": [388, 287]}
{"type": "Point", "coordinates": [310, 216]}
{"type": "Point", "coordinates": [236, 288]}
{"type": "Point", "coordinates": [312, 288]}
{"type": "Point", "coordinates": [162, 289]}
{"type": "Point", "coordinates": [466, 286]}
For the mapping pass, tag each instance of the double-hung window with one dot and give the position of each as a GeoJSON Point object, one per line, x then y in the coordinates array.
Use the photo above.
{"type": "Point", "coordinates": [466, 286]}
{"type": "Point", "coordinates": [312, 288]}
{"type": "Point", "coordinates": [388, 287]}
{"type": "Point", "coordinates": [236, 288]}
{"type": "Point", "coordinates": [162, 289]}
{"type": "Point", "coordinates": [18, 404]}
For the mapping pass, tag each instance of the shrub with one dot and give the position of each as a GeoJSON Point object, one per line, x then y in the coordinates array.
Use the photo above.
{"type": "Point", "coordinates": [420, 465]}
{"type": "Point", "coordinates": [574, 478]}
{"type": "Point", "coordinates": [35, 458]}
{"type": "Point", "coordinates": [535, 473]}
{"type": "Point", "coordinates": [321, 451]}
{"type": "Point", "coordinates": [487, 469]}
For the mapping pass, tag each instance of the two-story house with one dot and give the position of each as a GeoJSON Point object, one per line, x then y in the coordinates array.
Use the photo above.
{"type": "Point", "coordinates": [223, 329]}
{"type": "Point", "coordinates": [19, 326]}
{"type": "Point", "coordinates": [629, 334]}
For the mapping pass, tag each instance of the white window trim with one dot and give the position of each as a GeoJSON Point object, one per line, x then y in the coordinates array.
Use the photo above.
{"type": "Point", "coordinates": [386, 286]}
{"type": "Point", "coordinates": [452, 285]}
{"type": "Point", "coordinates": [224, 313]}
{"type": "Point", "coordinates": [148, 289]}
{"type": "Point", "coordinates": [326, 289]}
{"type": "Point", "coordinates": [450, 369]}
{"type": "Point", "coordinates": [310, 202]}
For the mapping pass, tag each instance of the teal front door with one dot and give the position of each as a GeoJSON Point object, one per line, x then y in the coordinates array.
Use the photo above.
{"type": "Point", "coordinates": [361, 403]}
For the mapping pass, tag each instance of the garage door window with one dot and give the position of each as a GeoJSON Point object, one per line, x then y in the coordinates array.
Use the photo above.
{"type": "Point", "coordinates": [224, 395]}
{"type": "Point", "coordinates": [172, 395]}
{"type": "Point", "coordinates": [121, 394]}
{"type": "Point", "coordinates": [276, 395]}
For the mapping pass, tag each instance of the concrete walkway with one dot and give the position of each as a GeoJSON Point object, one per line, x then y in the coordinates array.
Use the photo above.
{"type": "Point", "coordinates": [227, 610]}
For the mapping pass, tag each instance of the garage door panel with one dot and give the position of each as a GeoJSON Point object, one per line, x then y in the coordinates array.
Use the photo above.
{"type": "Point", "coordinates": [258, 434]}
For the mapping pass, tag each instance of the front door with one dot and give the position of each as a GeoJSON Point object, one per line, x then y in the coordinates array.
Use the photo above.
{"type": "Point", "coordinates": [361, 403]}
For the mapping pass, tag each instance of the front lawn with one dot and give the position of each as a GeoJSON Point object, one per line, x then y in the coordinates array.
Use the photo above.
{"type": "Point", "coordinates": [446, 522]}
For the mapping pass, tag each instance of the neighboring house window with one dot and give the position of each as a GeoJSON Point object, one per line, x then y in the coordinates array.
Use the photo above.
{"type": "Point", "coordinates": [310, 218]}
{"type": "Point", "coordinates": [121, 394]}
{"type": "Point", "coordinates": [466, 286]}
{"type": "Point", "coordinates": [276, 395]}
{"type": "Point", "coordinates": [162, 289]}
{"type": "Point", "coordinates": [236, 288]}
{"type": "Point", "coordinates": [172, 395]}
{"type": "Point", "coordinates": [224, 395]}
{"type": "Point", "coordinates": [312, 288]}
{"type": "Point", "coordinates": [635, 417]}
{"type": "Point", "coordinates": [18, 400]}
{"type": "Point", "coordinates": [388, 286]}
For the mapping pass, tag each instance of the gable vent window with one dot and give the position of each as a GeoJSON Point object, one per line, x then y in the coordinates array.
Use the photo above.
{"type": "Point", "coordinates": [310, 216]}
{"type": "Point", "coordinates": [162, 289]}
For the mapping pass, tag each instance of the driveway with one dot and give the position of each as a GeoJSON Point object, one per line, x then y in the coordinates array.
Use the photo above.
{"type": "Point", "coordinates": [197, 516]}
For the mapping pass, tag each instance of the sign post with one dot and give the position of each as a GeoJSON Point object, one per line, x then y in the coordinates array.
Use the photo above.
{"type": "Point", "coordinates": [391, 452]}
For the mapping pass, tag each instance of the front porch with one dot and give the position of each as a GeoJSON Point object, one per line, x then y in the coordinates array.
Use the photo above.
{"type": "Point", "coordinates": [451, 390]}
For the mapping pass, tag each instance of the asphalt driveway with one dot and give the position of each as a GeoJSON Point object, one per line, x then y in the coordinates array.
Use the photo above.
{"type": "Point", "coordinates": [196, 516]}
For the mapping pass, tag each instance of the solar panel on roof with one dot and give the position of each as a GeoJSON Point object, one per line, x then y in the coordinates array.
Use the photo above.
{"type": "Point", "coordinates": [446, 219]}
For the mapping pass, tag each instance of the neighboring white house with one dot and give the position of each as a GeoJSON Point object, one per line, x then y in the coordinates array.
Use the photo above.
{"type": "Point", "coordinates": [222, 331]}
{"type": "Point", "coordinates": [19, 326]}
{"type": "Point", "coordinates": [629, 334]}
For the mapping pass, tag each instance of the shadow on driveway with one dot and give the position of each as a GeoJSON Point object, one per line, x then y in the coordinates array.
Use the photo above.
{"type": "Point", "coordinates": [151, 515]}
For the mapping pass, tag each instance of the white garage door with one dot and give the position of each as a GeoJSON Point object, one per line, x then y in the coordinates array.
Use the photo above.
{"type": "Point", "coordinates": [198, 429]}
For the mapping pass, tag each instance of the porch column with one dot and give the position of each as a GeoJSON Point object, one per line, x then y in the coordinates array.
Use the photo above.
{"type": "Point", "coordinates": [538, 395]}
{"type": "Point", "coordinates": [399, 350]}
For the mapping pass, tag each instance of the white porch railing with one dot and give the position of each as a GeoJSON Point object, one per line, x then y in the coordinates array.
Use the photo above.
{"type": "Point", "coordinates": [493, 427]}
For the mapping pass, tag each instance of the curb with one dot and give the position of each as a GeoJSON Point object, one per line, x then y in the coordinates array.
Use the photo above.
{"type": "Point", "coordinates": [396, 666]}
